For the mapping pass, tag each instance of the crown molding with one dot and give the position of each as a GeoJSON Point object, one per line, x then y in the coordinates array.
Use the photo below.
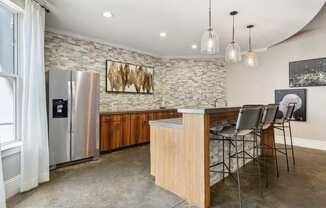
{"type": "Point", "coordinates": [12, 6]}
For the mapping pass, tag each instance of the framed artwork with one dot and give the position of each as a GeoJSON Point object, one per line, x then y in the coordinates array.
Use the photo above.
{"type": "Point", "coordinates": [129, 78]}
{"type": "Point", "coordinates": [307, 73]}
{"type": "Point", "coordinates": [297, 96]}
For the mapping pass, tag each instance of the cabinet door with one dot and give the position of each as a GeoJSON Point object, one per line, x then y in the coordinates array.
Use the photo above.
{"type": "Point", "coordinates": [150, 117]}
{"type": "Point", "coordinates": [162, 115]}
{"type": "Point", "coordinates": [138, 133]}
{"type": "Point", "coordinates": [172, 114]}
{"type": "Point", "coordinates": [115, 135]}
{"type": "Point", "coordinates": [115, 132]}
{"type": "Point", "coordinates": [104, 133]}
{"type": "Point", "coordinates": [110, 132]}
{"type": "Point", "coordinates": [125, 130]}
{"type": "Point", "coordinates": [177, 115]}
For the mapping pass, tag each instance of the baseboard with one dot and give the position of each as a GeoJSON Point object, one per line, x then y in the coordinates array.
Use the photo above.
{"type": "Point", "coordinates": [301, 142]}
{"type": "Point", "coordinates": [12, 186]}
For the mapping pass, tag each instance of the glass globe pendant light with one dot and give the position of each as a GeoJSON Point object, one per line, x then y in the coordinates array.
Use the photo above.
{"type": "Point", "coordinates": [232, 51]}
{"type": "Point", "coordinates": [250, 58]}
{"type": "Point", "coordinates": [210, 40]}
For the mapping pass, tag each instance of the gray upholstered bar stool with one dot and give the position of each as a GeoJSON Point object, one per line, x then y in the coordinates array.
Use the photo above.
{"type": "Point", "coordinates": [247, 123]}
{"type": "Point", "coordinates": [282, 124]}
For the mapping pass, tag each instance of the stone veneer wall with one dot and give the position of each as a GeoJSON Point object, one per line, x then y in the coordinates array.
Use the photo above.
{"type": "Point", "coordinates": [191, 82]}
{"type": "Point", "coordinates": [177, 82]}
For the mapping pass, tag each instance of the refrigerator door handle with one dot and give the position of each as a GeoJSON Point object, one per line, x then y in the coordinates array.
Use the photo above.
{"type": "Point", "coordinates": [73, 120]}
{"type": "Point", "coordinates": [73, 96]}
{"type": "Point", "coordinates": [69, 121]}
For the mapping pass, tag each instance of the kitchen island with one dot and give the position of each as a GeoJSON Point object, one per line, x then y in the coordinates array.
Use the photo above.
{"type": "Point", "coordinates": [180, 151]}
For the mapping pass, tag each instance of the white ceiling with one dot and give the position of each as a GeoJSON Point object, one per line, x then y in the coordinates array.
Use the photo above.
{"type": "Point", "coordinates": [137, 23]}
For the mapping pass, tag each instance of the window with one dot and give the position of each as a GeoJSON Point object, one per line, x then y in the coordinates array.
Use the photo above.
{"type": "Point", "coordinates": [8, 75]}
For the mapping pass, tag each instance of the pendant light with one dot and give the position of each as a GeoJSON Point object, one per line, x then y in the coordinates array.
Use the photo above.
{"type": "Point", "coordinates": [250, 57]}
{"type": "Point", "coordinates": [210, 40]}
{"type": "Point", "coordinates": [232, 51]}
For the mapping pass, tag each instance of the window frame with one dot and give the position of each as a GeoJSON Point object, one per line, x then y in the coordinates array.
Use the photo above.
{"type": "Point", "coordinates": [14, 75]}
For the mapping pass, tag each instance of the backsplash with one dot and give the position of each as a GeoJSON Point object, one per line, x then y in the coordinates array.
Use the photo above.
{"type": "Point", "coordinates": [191, 82]}
{"type": "Point", "coordinates": [177, 82]}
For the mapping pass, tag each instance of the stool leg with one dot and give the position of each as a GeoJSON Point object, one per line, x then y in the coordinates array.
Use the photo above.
{"type": "Point", "coordinates": [265, 166]}
{"type": "Point", "coordinates": [243, 151]}
{"type": "Point", "coordinates": [230, 168]}
{"type": "Point", "coordinates": [290, 130]}
{"type": "Point", "coordinates": [223, 158]}
{"type": "Point", "coordinates": [258, 164]}
{"type": "Point", "coordinates": [238, 175]}
{"type": "Point", "coordinates": [275, 156]}
{"type": "Point", "coordinates": [286, 149]}
{"type": "Point", "coordinates": [254, 150]}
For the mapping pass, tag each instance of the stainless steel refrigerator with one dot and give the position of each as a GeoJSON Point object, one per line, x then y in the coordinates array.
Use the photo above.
{"type": "Point", "coordinates": [73, 115]}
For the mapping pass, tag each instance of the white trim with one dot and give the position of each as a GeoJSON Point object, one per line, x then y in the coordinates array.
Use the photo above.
{"type": "Point", "coordinates": [303, 142]}
{"type": "Point", "coordinates": [10, 151]}
{"type": "Point", "coordinates": [12, 6]}
{"type": "Point", "coordinates": [10, 145]}
{"type": "Point", "coordinates": [75, 35]}
{"type": "Point", "coordinates": [12, 186]}
{"type": "Point", "coordinates": [8, 75]}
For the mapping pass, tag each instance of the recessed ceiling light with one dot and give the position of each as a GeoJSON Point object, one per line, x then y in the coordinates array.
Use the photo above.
{"type": "Point", "coordinates": [163, 34]}
{"type": "Point", "coordinates": [194, 46]}
{"type": "Point", "coordinates": [107, 14]}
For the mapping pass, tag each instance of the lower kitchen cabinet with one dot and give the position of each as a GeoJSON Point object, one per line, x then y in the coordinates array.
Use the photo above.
{"type": "Point", "coordinates": [127, 129]}
{"type": "Point", "coordinates": [138, 128]}
{"type": "Point", "coordinates": [115, 132]}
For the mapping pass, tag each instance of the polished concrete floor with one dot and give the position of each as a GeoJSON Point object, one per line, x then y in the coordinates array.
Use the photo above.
{"type": "Point", "coordinates": [122, 180]}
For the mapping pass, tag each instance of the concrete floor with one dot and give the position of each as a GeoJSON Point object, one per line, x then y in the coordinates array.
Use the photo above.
{"type": "Point", "coordinates": [122, 180]}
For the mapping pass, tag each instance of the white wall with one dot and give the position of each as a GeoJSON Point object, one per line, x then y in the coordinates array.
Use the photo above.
{"type": "Point", "coordinates": [257, 85]}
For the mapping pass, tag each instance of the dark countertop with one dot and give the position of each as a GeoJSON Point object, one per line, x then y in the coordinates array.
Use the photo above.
{"type": "Point", "coordinates": [137, 111]}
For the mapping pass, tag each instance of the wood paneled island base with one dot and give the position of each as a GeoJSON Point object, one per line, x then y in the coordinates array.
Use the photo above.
{"type": "Point", "coordinates": [180, 152]}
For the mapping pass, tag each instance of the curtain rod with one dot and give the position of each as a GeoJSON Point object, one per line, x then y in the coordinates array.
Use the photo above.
{"type": "Point", "coordinates": [42, 5]}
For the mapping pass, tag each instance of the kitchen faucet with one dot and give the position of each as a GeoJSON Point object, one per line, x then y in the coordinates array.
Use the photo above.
{"type": "Point", "coordinates": [217, 100]}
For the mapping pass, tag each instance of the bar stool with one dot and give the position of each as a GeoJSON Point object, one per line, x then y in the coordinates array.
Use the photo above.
{"type": "Point", "coordinates": [244, 152]}
{"type": "Point", "coordinates": [282, 124]}
{"type": "Point", "coordinates": [247, 123]}
{"type": "Point", "coordinates": [268, 119]}
{"type": "Point", "coordinates": [214, 136]}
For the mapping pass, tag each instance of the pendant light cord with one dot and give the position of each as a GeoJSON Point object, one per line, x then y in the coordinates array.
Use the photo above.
{"type": "Point", "coordinates": [250, 47]}
{"type": "Point", "coordinates": [210, 14]}
{"type": "Point", "coordinates": [233, 31]}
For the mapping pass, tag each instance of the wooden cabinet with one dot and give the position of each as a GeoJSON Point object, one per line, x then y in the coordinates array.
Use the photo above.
{"type": "Point", "coordinates": [138, 132]}
{"type": "Point", "coordinates": [127, 129]}
{"type": "Point", "coordinates": [115, 132]}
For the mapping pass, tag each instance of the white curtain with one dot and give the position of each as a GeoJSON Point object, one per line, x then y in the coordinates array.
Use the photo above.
{"type": "Point", "coordinates": [2, 187]}
{"type": "Point", "coordinates": [35, 151]}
